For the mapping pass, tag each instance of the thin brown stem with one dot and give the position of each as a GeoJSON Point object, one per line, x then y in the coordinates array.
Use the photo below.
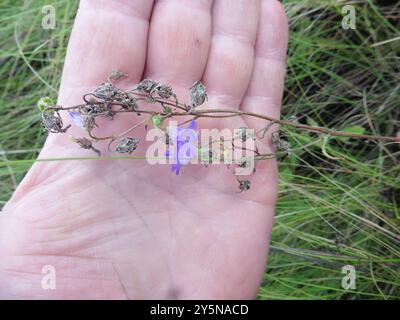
{"type": "Point", "coordinates": [227, 113]}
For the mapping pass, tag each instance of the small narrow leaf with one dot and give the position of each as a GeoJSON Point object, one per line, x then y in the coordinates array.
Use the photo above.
{"type": "Point", "coordinates": [352, 129]}
{"type": "Point", "coordinates": [167, 109]}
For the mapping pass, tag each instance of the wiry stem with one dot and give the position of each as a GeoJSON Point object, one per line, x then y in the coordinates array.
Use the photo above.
{"type": "Point", "coordinates": [208, 113]}
{"type": "Point", "coordinates": [105, 100]}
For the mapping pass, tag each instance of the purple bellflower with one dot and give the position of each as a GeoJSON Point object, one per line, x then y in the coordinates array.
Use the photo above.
{"type": "Point", "coordinates": [183, 145]}
{"type": "Point", "coordinates": [77, 119]}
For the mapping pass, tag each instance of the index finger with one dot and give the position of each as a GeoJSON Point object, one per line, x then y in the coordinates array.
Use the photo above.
{"type": "Point", "coordinates": [107, 35]}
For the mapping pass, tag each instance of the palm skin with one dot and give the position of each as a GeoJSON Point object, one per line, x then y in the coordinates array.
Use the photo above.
{"type": "Point", "coordinates": [126, 229]}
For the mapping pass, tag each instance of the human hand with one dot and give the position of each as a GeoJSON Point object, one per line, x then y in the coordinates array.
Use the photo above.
{"type": "Point", "coordinates": [126, 229]}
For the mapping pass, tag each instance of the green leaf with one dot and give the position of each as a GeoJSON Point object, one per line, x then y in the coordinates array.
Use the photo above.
{"type": "Point", "coordinates": [352, 129]}
{"type": "Point", "coordinates": [167, 109]}
{"type": "Point", "coordinates": [45, 102]}
{"type": "Point", "coordinates": [157, 120]}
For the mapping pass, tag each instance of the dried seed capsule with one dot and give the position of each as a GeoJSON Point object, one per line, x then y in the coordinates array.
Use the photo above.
{"type": "Point", "coordinates": [282, 145]}
{"type": "Point", "coordinates": [106, 91]}
{"type": "Point", "coordinates": [244, 185]}
{"type": "Point", "coordinates": [85, 143]}
{"type": "Point", "coordinates": [285, 146]}
{"type": "Point", "coordinates": [52, 121]}
{"type": "Point", "coordinates": [147, 85]}
{"type": "Point", "coordinates": [164, 91]}
{"type": "Point", "coordinates": [116, 75]}
{"type": "Point", "coordinates": [127, 145]}
{"type": "Point", "coordinates": [275, 137]}
{"type": "Point", "coordinates": [95, 108]}
{"type": "Point", "coordinates": [198, 94]}
{"type": "Point", "coordinates": [128, 101]}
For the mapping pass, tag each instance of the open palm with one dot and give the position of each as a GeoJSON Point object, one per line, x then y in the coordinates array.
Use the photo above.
{"type": "Point", "coordinates": [127, 229]}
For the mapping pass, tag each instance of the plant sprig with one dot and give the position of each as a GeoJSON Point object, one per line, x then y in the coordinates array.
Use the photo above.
{"type": "Point", "coordinates": [107, 100]}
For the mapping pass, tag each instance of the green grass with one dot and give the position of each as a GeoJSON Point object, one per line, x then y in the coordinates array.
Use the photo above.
{"type": "Point", "coordinates": [339, 201]}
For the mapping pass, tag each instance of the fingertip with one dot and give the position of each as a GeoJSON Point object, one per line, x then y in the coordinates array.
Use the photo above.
{"type": "Point", "coordinates": [231, 58]}
{"type": "Point", "coordinates": [265, 91]}
{"type": "Point", "coordinates": [274, 31]}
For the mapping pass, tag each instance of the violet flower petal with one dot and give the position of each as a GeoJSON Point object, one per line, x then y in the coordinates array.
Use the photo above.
{"type": "Point", "coordinates": [77, 119]}
{"type": "Point", "coordinates": [177, 135]}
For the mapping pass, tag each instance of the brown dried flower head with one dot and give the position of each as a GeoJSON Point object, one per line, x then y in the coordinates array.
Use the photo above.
{"type": "Point", "coordinates": [127, 145]}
